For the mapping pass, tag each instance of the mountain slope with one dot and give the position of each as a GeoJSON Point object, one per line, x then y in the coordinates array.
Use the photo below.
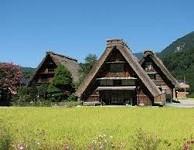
{"type": "Point", "coordinates": [138, 55]}
{"type": "Point", "coordinates": [27, 72]}
{"type": "Point", "coordinates": [182, 44]}
{"type": "Point", "coordinates": [179, 58]}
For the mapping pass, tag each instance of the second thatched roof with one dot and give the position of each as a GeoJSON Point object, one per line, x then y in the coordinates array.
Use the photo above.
{"type": "Point", "coordinates": [160, 65]}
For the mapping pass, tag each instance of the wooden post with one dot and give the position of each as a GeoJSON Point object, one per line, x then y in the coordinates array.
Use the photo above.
{"type": "Point", "coordinates": [174, 94]}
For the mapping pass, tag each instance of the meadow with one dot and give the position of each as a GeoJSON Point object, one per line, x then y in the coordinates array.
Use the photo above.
{"type": "Point", "coordinates": [83, 127]}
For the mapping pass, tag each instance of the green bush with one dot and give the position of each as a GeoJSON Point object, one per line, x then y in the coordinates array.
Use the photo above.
{"type": "Point", "coordinates": [61, 86]}
{"type": "Point", "coordinates": [191, 95]}
{"type": "Point", "coordinates": [72, 97]}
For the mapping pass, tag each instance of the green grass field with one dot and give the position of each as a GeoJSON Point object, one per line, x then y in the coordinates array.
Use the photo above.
{"type": "Point", "coordinates": [79, 126]}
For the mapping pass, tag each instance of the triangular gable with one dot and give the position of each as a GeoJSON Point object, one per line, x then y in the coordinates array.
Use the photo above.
{"type": "Point", "coordinates": [40, 66]}
{"type": "Point", "coordinates": [132, 61]}
{"type": "Point", "coordinates": [160, 65]}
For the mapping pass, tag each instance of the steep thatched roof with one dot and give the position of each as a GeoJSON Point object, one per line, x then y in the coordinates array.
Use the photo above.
{"type": "Point", "coordinates": [160, 65]}
{"type": "Point", "coordinates": [70, 63]}
{"type": "Point", "coordinates": [130, 58]}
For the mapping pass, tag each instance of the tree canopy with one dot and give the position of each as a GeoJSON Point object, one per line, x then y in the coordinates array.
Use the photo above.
{"type": "Point", "coordinates": [179, 59]}
{"type": "Point", "coordinates": [89, 62]}
{"type": "Point", "coordinates": [10, 76]}
{"type": "Point", "coordinates": [62, 77]}
{"type": "Point", "coordinates": [61, 85]}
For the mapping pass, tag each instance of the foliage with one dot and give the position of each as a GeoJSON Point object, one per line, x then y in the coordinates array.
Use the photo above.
{"type": "Point", "coordinates": [89, 62]}
{"type": "Point", "coordinates": [27, 72]}
{"type": "Point", "coordinates": [76, 127]}
{"type": "Point", "coordinates": [42, 96]}
{"type": "Point", "coordinates": [22, 96]}
{"type": "Point", "coordinates": [33, 93]}
{"type": "Point", "coordinates": [34, 96]}
{"type": "Point", "coordinates": [72, 97]}
{"type": "Point", "coordinates": [184, 43]}
{"type": "Point", "coordinates": [61, 86]}
{"type": "Point", "coordinates": [55, 94]}
{"type": "Point", "coordinates": [179, 59]}
{"type": "Point", "coordinates": [52, 89]}
{"type": "Point", "coordinates": [10, 76]}
{"type": "Point", "coordinates": [42, 90]}
{"type": "Point", "coordinates": [62, 78]}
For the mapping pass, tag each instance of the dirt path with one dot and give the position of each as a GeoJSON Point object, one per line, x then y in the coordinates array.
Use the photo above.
{"type": "Point", "coordinates": [186, 103]}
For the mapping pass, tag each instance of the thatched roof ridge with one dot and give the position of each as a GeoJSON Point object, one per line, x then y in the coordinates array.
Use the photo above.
{"type": "Point", "coordinates": [130, 58]}
{"type": "Point", "coordinates": [159, 63]}
{"type": "Point", "coordinates": [70, 63]}
{"type": "Point", "coordinates": [60, 55]}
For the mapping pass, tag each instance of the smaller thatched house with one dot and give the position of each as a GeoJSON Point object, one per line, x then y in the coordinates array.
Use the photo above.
{"type": "Point", "coordinates": [182, 92]}
{"type": "Point", "coordinates": [45, 71]}
{"type": "Point", "coordinates": [159, 74]}
{"type": "Point", "coordinates": [118, 78]}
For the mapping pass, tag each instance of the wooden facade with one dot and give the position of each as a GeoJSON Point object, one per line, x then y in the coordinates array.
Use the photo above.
{"type": "Point", "coordinates": [159, 74]}
{"type": "Point", "coordinates": [118, 78]}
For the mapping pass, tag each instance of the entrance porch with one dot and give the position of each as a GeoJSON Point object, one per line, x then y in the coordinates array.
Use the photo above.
{"type": "Point", "coordinates": [117, 96]}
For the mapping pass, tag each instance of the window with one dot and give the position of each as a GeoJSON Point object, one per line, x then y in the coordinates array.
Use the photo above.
{"type": "Point", "coordinates": [109, 82]}
{"type": "Point", "coordinates": [103, 82]}
{"type": "Point", "coordinates": [117, 82]}
{"type": "Point", "coordinates": [116, 67]}
{"type": "Point", "coordinates": [51, 70]}
{"type": "Point", "coordinates": [106, 82]}
{"type": "Point", "coordinates": [128, 82]}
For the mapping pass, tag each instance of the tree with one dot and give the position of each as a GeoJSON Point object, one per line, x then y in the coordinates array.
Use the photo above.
{"type": "Point", "coordinates": [89, 62]}
{"type": "Point", "coordinates": [62, 78]}
{"type": "Point", "coordinates": [62, 84]}
{"type": "Point", "coordinates": [27, 72]}
{"type": "Point", "coordinates": [23, 97]}
{"type": "Point", "coordinates": [42, 91]}
{"type": "Point", "coordinates": [10, 77]}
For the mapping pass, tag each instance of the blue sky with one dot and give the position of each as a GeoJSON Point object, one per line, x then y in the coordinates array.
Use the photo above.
{"type": "Point", "coordinates": [28, 28]}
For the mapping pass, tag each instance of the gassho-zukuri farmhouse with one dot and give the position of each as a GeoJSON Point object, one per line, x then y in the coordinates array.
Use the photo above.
{"type": "Point", "coordinates": [117, 78]}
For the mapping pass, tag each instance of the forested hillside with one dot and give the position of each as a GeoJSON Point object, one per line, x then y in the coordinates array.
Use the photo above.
{"type": "Point", "coordinates": [27, 72]}
{"type": "Point", "coordinates": [179, 59]}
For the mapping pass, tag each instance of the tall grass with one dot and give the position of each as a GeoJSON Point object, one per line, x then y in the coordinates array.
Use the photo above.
{"type": "Point", "coordinates": [77, 127]}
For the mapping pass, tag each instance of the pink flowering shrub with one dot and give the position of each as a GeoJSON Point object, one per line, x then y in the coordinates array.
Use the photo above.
{"type": "Point", "coordinates": [10, 76]}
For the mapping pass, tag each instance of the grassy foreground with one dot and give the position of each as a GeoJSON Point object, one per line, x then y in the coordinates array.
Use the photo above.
{"type": "Point", "coordinates": [79, 126]}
